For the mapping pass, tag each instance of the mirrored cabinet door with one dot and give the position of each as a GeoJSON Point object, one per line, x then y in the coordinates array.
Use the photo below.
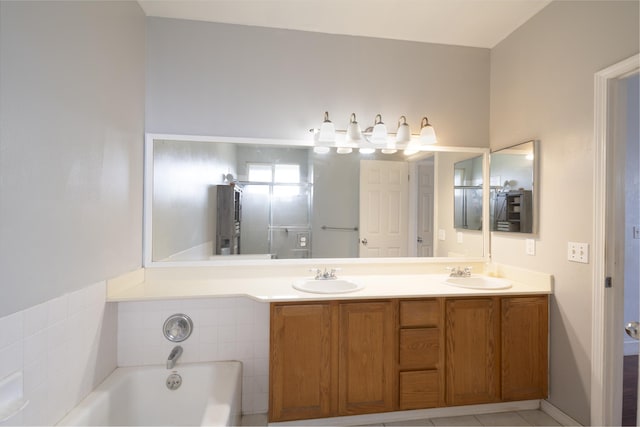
{"type": "Point", "coordinates": [513, 193]}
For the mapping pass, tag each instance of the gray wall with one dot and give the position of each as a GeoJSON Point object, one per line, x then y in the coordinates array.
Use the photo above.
{"type": "Point", "coordinates": [71, 130]}
{"type": "Point", "coordinates": [542, 87]}
{"type": "Point", "coordinates": [231, 80]}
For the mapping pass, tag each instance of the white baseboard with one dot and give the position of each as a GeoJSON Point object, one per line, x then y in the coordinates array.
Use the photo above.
{"type": "Point", "coordinates": [557, 414]}
{"type": "Point", "coordinates": [418, 414]}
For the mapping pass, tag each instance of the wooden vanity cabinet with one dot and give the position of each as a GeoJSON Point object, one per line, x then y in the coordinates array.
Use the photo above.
{"type": "Point", "coordinates": [355, 357]}
{"type": "Point", "coordinates": [525, 325]}
{"type": "Point", "coordinates": [472, 350]}
{"type": "Point", "coordinates": [300, 362]}
{"type": "Point", "coordinates": [366, 367]}
{"type": "Point", "coordinates": [331, 358]}
{"type": "Point", "coordinates": [420, 354]}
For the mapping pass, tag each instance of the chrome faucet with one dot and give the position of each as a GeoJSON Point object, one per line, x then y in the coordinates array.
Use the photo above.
{"type": "Point", "coordinates": [173, 356]}
{"type": "Point", "coordinates": [459, 272]}
{"type": "Point", "coordinates": [326, 274]}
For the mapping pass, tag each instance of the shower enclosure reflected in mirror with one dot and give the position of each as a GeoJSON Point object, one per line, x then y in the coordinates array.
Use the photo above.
{"type": "Point", "coordinates": [513, 197]}
{"type": "Point", "coordinates": [223, 199]}
{"type": "Point", "coordinates": [467, 187]}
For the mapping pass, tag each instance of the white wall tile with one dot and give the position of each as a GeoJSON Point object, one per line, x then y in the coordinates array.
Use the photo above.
{"type": "Point", "coordinates": [12, 329]}
{"type": "Point", "coordinates": [35, 319]}
{"type": "Point", "coordinates": [65, 347]}
{"type": "Point", "coordinates": [11, 359]}
{"type": "Point", "coordinates": [224, 329]}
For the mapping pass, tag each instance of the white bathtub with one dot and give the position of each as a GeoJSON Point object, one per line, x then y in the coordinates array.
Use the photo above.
{"type": "Point", "coordinates": [210, 395]}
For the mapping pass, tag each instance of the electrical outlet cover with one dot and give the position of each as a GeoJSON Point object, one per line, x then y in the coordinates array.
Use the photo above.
{"type": "Point", "coordinates": [530, 246]}
{"type": "Point", "coordinates": [578, 252]}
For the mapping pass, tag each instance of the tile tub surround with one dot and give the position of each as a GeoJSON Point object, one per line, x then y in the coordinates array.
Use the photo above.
{"type": "Point", "coordinates": [233, 328]}
{"type": "Point", "coordinates": [65, 347]}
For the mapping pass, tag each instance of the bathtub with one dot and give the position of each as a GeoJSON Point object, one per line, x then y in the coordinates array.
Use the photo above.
{"type": "Point", "coordinates": [210, 394]}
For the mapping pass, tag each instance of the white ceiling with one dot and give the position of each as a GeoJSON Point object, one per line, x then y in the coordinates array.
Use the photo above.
{"type": "Point", "coordinates": [476, 23]}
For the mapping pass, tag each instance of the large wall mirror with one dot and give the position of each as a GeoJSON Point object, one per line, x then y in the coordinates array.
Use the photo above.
{"type": "Point", "coordinates": [210, 199]}
{"type": "Point", "coordinates": [513, 198]}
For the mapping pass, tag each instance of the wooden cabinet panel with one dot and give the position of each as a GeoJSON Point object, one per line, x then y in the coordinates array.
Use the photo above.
{"type": "Point", "coordinates": [419, 389]}
{"type": "Point", "coordinates": [419, 348]}
{"type": "Point", "coordinates": [366, 361]}
{"type": "Point", "coordinates": [300, 371]}
{"type": "Point", "coordinates": [524, 347]}
{"type": "Point", "coordinates": [419, 313]}
{"type": "Point", "coordinates": [472, 351]}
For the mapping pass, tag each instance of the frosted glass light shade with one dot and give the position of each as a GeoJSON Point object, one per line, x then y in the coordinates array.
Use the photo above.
{"type": "Point", "coordinates": [327, 130]}
{"type": "Point", "coordinates": [427, 133]}
{"type": "Point", "coordinates": [403, 134]}
{"type": "Point", "coordinates": [354, 133]}
{"type": "Point", "coordinates": [379, 134]}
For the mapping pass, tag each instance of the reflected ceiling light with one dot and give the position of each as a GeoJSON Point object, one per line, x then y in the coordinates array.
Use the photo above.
{"type": "Point", "coordinates": [427, 133]}
{"type": "Point", "coordinates": [388, 151]}
{"type": "Point", "coordinates": [367, 150]}
{"type": "Point", "coordinates": [344, 150]}
{"type": "Point", "coordinates": [320, 149]}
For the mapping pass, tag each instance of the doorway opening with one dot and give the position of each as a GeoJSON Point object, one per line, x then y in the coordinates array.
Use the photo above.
{"type": "Point", "coordinates": [612, 207]}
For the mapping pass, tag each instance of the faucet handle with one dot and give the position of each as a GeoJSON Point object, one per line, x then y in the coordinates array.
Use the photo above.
{"type": "Point", "coordinates": [317, 272]}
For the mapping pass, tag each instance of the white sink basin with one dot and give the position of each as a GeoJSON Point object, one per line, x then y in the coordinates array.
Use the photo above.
{"type": "Point", "coordinates": [329, 286]}
{"type": "Point", "coordinates": [478, 282]}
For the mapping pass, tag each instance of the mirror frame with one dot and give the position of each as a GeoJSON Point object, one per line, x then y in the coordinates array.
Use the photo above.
{"type": "Point", "coordinates": [147, 239]}
{"type": "Point", "coordinates": [535, 190]}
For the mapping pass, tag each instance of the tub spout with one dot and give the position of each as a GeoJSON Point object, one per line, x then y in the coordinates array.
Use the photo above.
{"type": "Point", "coordinates": [173, 356]}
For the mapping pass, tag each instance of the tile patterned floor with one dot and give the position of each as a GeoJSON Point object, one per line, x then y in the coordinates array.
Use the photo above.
{"type": "Point", "coordinates": [518, 418]}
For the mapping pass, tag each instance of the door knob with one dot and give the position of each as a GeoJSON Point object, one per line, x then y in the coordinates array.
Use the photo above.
{"type": "Point", "coordinates": [364, 241]}
{"type": "Point", "coordinates": [419, 239]}
{"type": "Point", "coordinates": [632, 329]}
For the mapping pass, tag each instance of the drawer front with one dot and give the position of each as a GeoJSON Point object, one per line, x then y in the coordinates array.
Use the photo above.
{"type": "Point", "coordinates": [421, 313]}
{"type": "Point", "coordinates": [419, 348]}
{"type": "Point", "coordinates": [419, 389]}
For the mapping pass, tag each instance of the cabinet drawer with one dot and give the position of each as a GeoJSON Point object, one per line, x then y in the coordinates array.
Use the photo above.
{"type": "Point", "coordinates": [419, 313]}
{"type": "Point", "coordinates": [419, 348]}
{"type": "Point", "coordinates": [419, 389]}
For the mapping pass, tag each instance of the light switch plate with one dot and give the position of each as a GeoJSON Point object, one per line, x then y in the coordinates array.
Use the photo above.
{"type": "Point", "coordinates": [578, 252]}
{"type": "Point", "coordinates": [636, 231]}
{"type": "Point", "coordinates": [530, 245]}
{"type": "Point", "coordinates": [460, 237]}
{"type": "Point", "coordinates": [442, 234]}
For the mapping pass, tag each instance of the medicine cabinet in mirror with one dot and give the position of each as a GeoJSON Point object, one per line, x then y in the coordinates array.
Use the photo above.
{"type": "Point", "coordinates": [513, 198]}
{"type": "Point", "coordinates": [222, 199]}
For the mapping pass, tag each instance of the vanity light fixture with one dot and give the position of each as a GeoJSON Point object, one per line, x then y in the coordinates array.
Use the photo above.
{"type": "Point", "coordinates": [354, 137]}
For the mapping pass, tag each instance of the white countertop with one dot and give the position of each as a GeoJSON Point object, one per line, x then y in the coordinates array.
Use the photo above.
{"type": "Point", "coordinates": [155, 284]}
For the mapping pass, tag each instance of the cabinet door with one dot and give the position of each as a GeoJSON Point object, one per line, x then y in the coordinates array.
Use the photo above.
{"type": "Point", "coordinates": [524, 347]}
{"type": "Point", "coordinates": [366, 362]}
{"type": "Point", "coordinates": [300, 376]}
{"type": "Point", "coordinates": [472, 351]}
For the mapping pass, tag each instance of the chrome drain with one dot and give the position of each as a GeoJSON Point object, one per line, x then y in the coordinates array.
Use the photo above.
{"type": "Point", "coordinates": [174, 381]}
